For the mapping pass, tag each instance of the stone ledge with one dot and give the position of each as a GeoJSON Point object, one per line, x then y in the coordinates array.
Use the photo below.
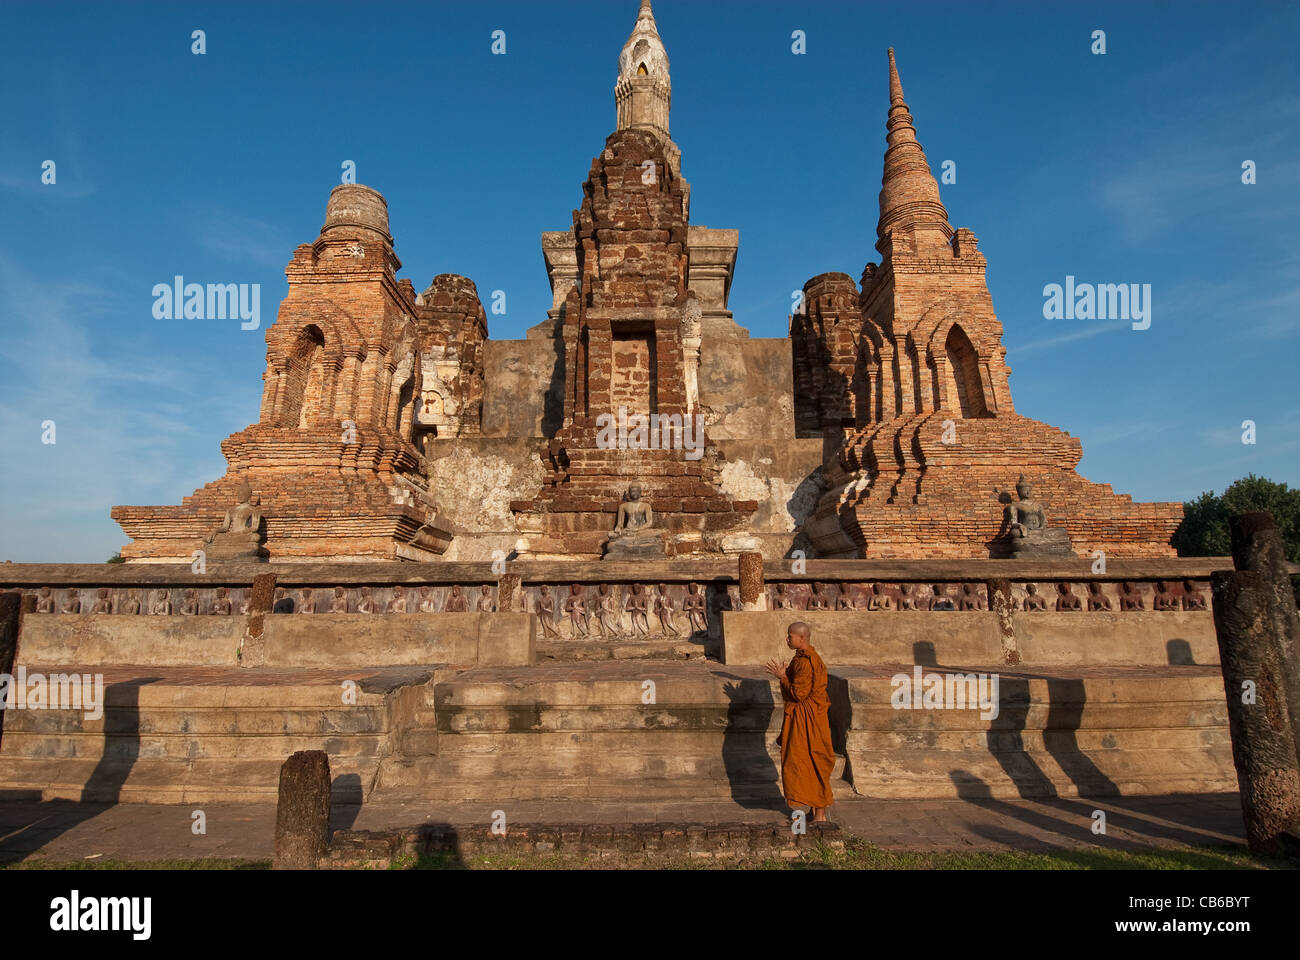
{"type": "Point", "coordinates": [351, 849]}
{"type": "Point", "coordinates": [619, 649]}
{"type": "Point", "coordinates": [292, 575]}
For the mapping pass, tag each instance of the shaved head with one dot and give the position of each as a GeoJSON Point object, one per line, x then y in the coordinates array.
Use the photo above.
{"type": "Point", "coordinates": [800, 628]}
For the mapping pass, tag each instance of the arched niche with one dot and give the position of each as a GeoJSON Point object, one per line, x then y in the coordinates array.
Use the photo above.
{"type": "Point", "coordinates": [965, 389]}
{"type": "Point", "coordinates": [304, 378]}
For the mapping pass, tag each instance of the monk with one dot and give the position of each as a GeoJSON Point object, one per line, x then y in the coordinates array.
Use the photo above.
{"type": "Point", "coordinates": [807, 757]}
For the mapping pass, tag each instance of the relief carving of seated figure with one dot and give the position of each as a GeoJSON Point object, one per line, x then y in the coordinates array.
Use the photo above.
{"type": "Point", "coordinates": [844, 600]}
{"type": "Point", "coordinates": [941, 600]}
{"type": "Point", "coordinates": [635, 535]}
{"type": "Point", "coordinates": [103, 601]}
{"type": "Point", "coordinates": [427, 603]}
{"type": "Point", "coordinates": [45, 600]}
{"type": "Point", "coordinates": [1067, 601]}
{"type": "Point", "coordinates": [970, 600]}
{"type": "Point", "coordinates": [879, 600]}
{"type": "Point", "coordinates": [485, 602]}
{"type": "Point", "coordinates": [221, 603]}
{"type": "Point", "coordinates": [905, 599]}
{"type": "Point", "coordinates": [190, 605]}
{"type": "Point", "coordinates": [398, 603]}
{"type": "Point", "coordinates": [72, 602]}
{"type": "Point", "coordinates": [162, 604]}
{"type": "Point", "coordinates": [1130, 599]}
{"type": "Point", "coordinates": [1164, 599]}
{"type": "Point", "coordinates": [306, 602]}
{"type": "Point", "coordinates": [132, 602]}
{"type": "Point", "coordinates": [1026, 524]}
{"type": "Point", "coordinates": [367, 602]}
{"type": "Point", "coordinates": [1192, 598]}
{"type": "Point", "coordinates": [1032, 600]}
{"type": "Point", "coordinates": [818, 600]}
{"type": "Point", "coordinates": [1096, 599]}
{"type": "Point", "coordinates": [783, 600]}
{"type": "Point", "coordinates": [456, 601]}
{"type": "Point", "coordinates": [339, 602]}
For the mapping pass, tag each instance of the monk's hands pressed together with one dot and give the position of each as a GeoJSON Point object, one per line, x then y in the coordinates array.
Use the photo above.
{"type": "Point", "coordinates": [776, 668]}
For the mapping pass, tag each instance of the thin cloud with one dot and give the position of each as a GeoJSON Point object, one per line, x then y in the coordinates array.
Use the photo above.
{"type": "Point", "coordinates": [1077, 335]}
{"type": "Point", "coordinates": [108, 449]}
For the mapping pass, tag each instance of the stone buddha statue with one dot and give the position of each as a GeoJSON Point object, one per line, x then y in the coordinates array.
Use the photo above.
{"type": "Point", "coordinates": [240, 535]}
{"type": "Point", "coordinates": [635, 536]}
{"type": "Point", "coordinates": [245, 516]}
{"type": "Point", "coordinates": [1026, 524]}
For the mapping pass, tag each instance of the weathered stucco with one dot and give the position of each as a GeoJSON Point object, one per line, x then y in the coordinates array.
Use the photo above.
{"type": "Point", "coordinates": [518, 377]}
{"type": "Point", "coordinates": [746, 388]}
{"type": "Point", "coordinates": [783, 476]}
{"type": "Point", "coordinates": [474, 481]}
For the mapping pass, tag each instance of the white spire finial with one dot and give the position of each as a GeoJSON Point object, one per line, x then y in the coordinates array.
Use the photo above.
{"type": "Point", "coordinates": [643, 92]}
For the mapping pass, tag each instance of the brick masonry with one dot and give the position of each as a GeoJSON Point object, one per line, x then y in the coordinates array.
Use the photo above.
{"type": "Point", "coordinates": [907, 377]}
{"type": "Point", "coordinates": [392, 428]}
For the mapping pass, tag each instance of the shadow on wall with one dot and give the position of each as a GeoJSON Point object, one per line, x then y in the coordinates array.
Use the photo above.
{"type": "Point", "coordinates": [1006, 739]}
{"type": "Point", "coordinates": [50, 819]}
{"type": "Point", "coordinates": [716, 599]}
{"type": "Point", "coordinates": [121, 741]}
{"type": "Point", "coordinates": [750, 771]}
{"type": "Point", "coordinates": [1067, 698]}
{"type": "Point", "coordinates": [346, 793]}
{"type": "Point", "coordinates": [841, 720]}
{"type": "Point", "coordinates": [553, 404]}
{"type": "Point", "coordinates": [345, 801]}
{"type": "Point", "coordinates": [1066, 702]}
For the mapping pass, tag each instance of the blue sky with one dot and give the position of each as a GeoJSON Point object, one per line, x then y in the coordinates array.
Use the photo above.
{"type": "Point", "coordinates": [1122, 168]}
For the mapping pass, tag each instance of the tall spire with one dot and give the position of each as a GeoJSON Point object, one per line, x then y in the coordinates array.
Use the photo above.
{"type": "Point", "coordinates": [909, 195]}
{"type": "Point", "coordinates": [643, 92]}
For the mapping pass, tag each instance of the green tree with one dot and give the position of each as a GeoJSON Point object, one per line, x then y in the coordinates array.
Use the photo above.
{"type": "Point", "coordinates": [1204, 530]}
{"type": "Point", "coordinates": [115, 558]}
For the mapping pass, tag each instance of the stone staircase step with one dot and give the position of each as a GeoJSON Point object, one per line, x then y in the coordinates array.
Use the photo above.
{"type": "Point", "coordinates": [209, 734]}
{"type": "Point", "coordinates": [655, 649]}
{"type": "Point", "coordinates": [171, 781]}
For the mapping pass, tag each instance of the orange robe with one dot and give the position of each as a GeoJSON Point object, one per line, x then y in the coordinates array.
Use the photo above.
{"type": "Point", "coordinates": [807, 757]}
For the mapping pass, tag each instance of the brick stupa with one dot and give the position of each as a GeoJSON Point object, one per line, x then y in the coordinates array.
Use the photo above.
{"type": "Point", "coordinates": [911, 373]}
{"type": "Point", "coordinates": [333, 456]}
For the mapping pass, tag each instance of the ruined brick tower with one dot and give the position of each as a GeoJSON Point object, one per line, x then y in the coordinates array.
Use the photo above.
{"type": "Point", "coordinates": [911, 372]}
{"type": "Point", "coordinates": [359, 371]}
{"type": "Point", "coordinates": [631, 333]}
